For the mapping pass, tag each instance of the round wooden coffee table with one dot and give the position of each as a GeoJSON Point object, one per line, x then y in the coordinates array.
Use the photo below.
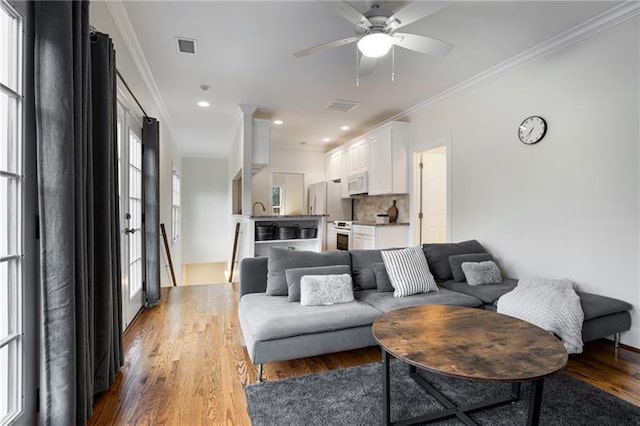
{"type": "Point", "coordinates": [471, 344]}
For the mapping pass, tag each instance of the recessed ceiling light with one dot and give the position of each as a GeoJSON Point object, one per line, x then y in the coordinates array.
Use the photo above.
{"type": "Point", "coordinates": [344, 128]}
{"type": "Point", "coordinates": [278, 122]}
{"type": "Point", "coordinates": [203, 104]}
{"type": "Point", "coordinates": [326, 139]}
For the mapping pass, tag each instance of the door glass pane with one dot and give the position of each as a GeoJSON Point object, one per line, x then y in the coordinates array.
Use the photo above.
{"type": "Point", "coordinates": [4, 299]}
{"type": "Point", "coordinates": [8, 216]}
{"type": "Point", "coordinates": [8, 49]}
{"type": "Point", "coordinates": [135, 209]}
{"type": "Point", "coordinates": [4, 382]}
{"type": "Point", "coordinates": [8, 136]}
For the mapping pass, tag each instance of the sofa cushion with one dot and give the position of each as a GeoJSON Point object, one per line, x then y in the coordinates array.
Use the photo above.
{"type": "Point", "coordinates": [456, 261]}
{"type": "Point", "coordinates": [281, 259]}
{"type": "Point", "coordinates": [362, 268]}
{"type": "Point", "coordinates": [382, 278]}
{"type": "Point", "coordinates": [294, 275]}
{"type": "Point", "coordinates": [408, 271]}
{"type": "Point", "coordinates": [385, 301]}
{"type": "Point", "coordinates": [595, 306]}
{"type": "Point", "coordinates": [273, 317]}
{"type": "Point", "coordinates": [438, 256]}
{"type": "Point", "coordinates": [482, 273]}
{"type": "Point", "coordinates": [487, 293]}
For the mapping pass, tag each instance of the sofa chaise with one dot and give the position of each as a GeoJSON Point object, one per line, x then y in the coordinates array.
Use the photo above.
{"type": "Point", "coordinates": [275, 329]}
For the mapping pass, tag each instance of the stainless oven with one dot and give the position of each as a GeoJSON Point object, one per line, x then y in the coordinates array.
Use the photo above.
{"type": "Point", "coordinates": [343, 235]}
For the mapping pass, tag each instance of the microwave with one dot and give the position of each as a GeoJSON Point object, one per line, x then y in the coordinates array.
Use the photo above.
{"type": "Point", "coordinates": [357, 183]}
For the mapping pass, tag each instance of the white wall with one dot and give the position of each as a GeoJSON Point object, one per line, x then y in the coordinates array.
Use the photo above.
{"type": "Point", "coordinates": [567, 207]}
{"type": "Point", "coordinates": [205, 210]}
{"type": "Point", "coordinates": [307, 162]}
{"type": "Point", "coordinates": [170, 153]}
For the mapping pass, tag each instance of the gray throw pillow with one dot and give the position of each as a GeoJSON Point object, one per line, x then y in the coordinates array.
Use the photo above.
{"type": "Point", "coordinates": [281, 259]}
{"type": "Point", "coordinates": [382, 278]}
{"type": "Point", "coordinates": [408, 272]}
{"type": "Point", "coordinates": [326, 289]}
{"type": "Point", "coordinates": [456, 261]}
{"type": "Point", "coordinates": [362, 268]}
{"type": "Point", "coordinates": [480, 273]}
{"type": "Point", "coordinates": [294, 276]}
{"type": "Point", "coordinates": [438, 256]}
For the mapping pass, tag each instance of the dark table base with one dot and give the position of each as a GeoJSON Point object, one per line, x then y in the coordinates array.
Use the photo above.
{"type": "Point", "coordinates": [453, 410]}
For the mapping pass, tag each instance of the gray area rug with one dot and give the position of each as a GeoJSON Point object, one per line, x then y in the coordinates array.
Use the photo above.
{"type": "Point", "coordinates": [353, 396]}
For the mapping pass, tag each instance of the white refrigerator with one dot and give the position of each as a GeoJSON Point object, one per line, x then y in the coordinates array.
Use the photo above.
{"type": "Point", "coordinates": [325, 198]}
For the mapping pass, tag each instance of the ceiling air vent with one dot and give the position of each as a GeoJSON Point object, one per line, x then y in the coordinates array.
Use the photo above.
{"type": "Point", "coordinates": [186, 45]}
{"type": "Point", "coordinates": [341, 105]}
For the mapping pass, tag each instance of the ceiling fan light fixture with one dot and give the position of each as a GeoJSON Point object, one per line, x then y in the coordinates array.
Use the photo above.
{"type": "Point", "coordinates": [375, 45]}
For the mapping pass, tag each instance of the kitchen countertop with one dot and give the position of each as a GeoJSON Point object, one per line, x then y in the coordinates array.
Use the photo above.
{"type": "Point", "coordinates": [287, 217]}
{"type": "Point", "coordinates": [366, 223]}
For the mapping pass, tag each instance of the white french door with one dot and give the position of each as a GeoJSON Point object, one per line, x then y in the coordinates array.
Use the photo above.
{"type": "Point", "coordinates": [130, 181]}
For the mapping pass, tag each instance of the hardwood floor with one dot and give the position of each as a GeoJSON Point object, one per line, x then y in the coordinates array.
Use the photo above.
{"type": "Point", "coordinates": [185, 364]}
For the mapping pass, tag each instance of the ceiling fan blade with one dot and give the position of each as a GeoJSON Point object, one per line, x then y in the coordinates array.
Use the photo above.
{"type": "Point", "coordinates": [348, 12]}
{"type": "Point", "coordinates": [412, 12]}
{"type": "Point", "coordinates": [325, 46]}
{"type": "Point", "coordinates": [422, 44]}
{"type": "Point", "coordinates": [367, 65]}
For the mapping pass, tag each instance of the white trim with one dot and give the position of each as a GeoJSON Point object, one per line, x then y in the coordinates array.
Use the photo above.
{"type": "Point", "coordinates": [592, 26]}
{"type": "Point", "coordinates": [122, 21]}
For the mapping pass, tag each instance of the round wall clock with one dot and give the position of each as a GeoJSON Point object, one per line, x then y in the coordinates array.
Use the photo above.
{"type": "Point", "coordinates": [532, 130]}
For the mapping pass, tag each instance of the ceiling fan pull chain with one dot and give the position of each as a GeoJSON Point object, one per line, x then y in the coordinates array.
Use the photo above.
{"type": "Point", "coordinates": [393, 63]}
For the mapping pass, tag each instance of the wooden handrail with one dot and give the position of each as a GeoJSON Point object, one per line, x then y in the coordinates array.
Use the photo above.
{"type": "Point", "coordinates": [166, 248]}
{"type": "Point", "coordinates": [235, 249]}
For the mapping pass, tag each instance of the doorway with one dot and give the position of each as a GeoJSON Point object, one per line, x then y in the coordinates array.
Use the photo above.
{"type": "Point", "coordinates": [129, 131]}
{"type": "Point", "coordinates": [432, 195]}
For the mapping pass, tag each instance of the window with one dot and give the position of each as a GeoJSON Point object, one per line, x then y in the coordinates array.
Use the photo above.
{"type": "Point", "coordinates": [276, 199]}
{"type": "Point", "coordinates": [175, 205]}
{"type": "Point", "coordinates": [11, 231]}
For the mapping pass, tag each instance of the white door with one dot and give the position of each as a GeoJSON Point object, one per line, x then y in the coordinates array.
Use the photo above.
{"type": "Point", "coordinates": [130, 176]}
{"type": "Point", "coordinates": [434, 195]}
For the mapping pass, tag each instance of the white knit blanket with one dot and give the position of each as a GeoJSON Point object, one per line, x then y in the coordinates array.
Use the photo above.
{"type": "Point", "coordinates": [552, 305]}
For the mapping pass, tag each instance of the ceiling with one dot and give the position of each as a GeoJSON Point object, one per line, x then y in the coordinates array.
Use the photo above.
{"type": "Point", "coordinates": [245, 54]}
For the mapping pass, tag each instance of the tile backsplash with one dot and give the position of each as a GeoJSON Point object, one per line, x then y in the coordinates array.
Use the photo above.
{"type": "Point", "coordinates": [365, 208]}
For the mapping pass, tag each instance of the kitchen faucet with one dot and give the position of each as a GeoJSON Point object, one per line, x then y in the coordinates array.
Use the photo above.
{"type": "Point", "coordinates": [264, 209]}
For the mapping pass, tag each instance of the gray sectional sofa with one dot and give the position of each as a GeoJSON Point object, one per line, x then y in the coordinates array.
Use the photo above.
{"type": "Point", "coordinates": [275, 329]}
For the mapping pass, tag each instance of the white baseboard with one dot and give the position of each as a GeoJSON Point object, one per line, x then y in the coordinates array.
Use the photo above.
{"type": "Point", "coordinates": [631, 337]}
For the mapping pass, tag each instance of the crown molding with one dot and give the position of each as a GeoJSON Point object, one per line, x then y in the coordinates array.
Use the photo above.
{"type": "Point", "coordinates": [598, 23]}
{"type": "Point", "coordinates": [123, 23]}
{"type": "Point", "coordinates": [284, 146]}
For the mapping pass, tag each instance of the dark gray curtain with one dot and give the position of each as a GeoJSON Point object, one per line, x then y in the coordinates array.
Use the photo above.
{"type": "Point", "coordinates": [151, 193]}
{"type": "Point", "coordinates": [78, 207]}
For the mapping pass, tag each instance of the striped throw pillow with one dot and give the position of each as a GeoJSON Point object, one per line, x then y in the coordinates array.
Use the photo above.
{"type": "Point", "coordinates": [408, 271]}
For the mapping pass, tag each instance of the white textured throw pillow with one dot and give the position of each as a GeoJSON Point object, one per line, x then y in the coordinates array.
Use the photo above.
{"type": "Point", "coordinates": [408, 271]}
{"type": "Point", "coordinates": [480, 273]}
{"type": "Point", "coordinates": [325, 289]}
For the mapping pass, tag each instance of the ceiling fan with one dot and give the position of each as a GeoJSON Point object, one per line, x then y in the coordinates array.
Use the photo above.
{"type": "Point", "coordinates": [375, 31]}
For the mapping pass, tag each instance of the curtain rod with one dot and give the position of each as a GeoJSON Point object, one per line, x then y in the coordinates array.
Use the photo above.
{"type": "Point", "coordinates": [92, 33]}
{"type": "Point", "coordinates": [131, 92]}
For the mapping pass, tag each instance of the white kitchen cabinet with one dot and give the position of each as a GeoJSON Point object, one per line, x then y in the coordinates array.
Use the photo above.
{"type": "Point", "coordinates": [331, 238]}
{"type": "Point", "coordinates": [380, 236]}
{"type": "Point", "coordinates": [334, 166]}
{"type": "Point", "coordinates": [358, 241]}
{"type": "Point", "coordinates": [344, 185]}
{"type": "Point", "coordinates": [358, 157]}
{"type": "Point", "coordinates": [388, 171]}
